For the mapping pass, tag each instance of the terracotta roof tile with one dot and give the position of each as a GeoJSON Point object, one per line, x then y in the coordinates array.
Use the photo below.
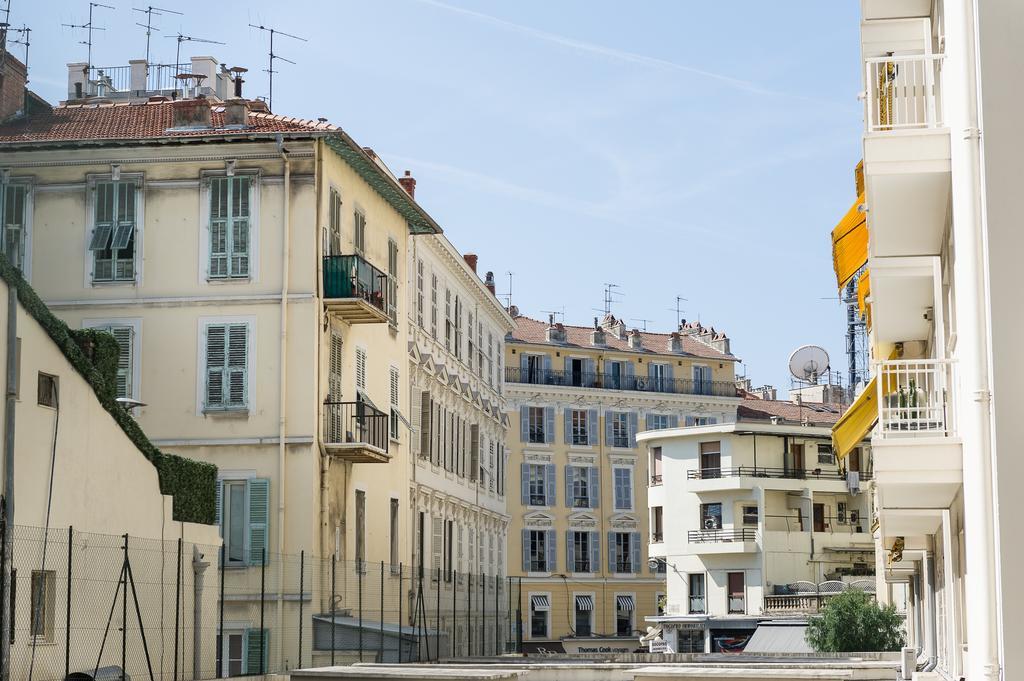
{"type": "Point", "coordinates": [136, 121]}
{"type": "Point", "coordinates": [534, 331]}
{"type": "Point", "coordinates": [811, 413]}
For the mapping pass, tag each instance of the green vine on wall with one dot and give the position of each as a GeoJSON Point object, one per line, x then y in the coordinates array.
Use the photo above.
{"type": "Point", "coordinates": [94, 355]}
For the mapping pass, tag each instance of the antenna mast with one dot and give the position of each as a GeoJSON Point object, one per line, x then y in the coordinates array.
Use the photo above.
{"type": "Point", "coordinates": [149, 12]}
{"type": "Point", "coordinates": [89, 29]}
{"type": "Point", "coordinates": [679, 310]}
{"type": "Point", "coordinates": [25, 32]}
{"type": "Point", "coordinates": [273, 56]}
{"type": "Point", "coordinates": [608, 296]}
{"type": "Point", "coordinates": [187, 38]}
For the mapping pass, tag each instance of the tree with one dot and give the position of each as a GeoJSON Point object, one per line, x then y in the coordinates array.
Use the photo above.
{"type": "Point", "coordinates": [852, 622]}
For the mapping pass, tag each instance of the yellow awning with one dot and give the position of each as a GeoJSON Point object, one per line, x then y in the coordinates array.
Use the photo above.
{"type": "Point", "coordinates": [856, 422]}
{"type": "Point", "coordinates": [863, 291]}
{"type": "Point", "coordinates": [850, 243]}
{"type": "Point", "coordinates": [858, 177]}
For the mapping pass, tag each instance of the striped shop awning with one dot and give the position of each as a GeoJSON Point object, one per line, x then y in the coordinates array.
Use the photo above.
{"type": "Point", "coordinates": [624, 602]}
{"type": "Point", "coordinates": [540, 603]}
{"type": "Point", "coordinates": [584, 603]}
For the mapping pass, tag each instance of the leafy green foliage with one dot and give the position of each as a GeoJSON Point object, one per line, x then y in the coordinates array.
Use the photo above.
{"type": "Point", "coordinates": [852, 622]}
{"type": "Point", "coordinates": [94, 355]}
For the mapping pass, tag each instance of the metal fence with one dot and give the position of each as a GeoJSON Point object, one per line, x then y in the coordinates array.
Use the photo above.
{"type": "Point", "coordinates": [82, 602]}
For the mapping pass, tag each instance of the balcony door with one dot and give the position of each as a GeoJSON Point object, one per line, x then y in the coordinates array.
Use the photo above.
{"type": "Point", "coordinates": [819, 517]}
{"type": "Point", "coordinates": [737, 592]}
{"type": "Point", "coordinates": [711, 516]}
{"type": "Point", "coordinates": [795, 469]}
{"type": "Point", "coordinates": [853, 460]}
{"type": "Point", "coordinates": [575, 371]}
{"type": "Point", "coordinates": [710, 460]}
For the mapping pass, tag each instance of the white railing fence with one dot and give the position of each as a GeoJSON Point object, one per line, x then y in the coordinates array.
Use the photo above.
{"type": "Point", "coordinates": [915, 398]}
{"type": "Point", "coordinates": [903, 92]}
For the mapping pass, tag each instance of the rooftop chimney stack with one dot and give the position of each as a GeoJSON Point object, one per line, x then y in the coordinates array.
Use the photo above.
{"type": "Point", "coordinates": [408, 183]}
{"type": "Point", "coordinates": [635, 339]}
{"type": "Point", "coordinates": [597, 337]}
{"type": "Point", "coordinates": [236, 78]}
{"type": "Point", "coordinates": [489, 283]}
{"type": "Point", "coordinates": [236, 113]}
{"type": "Point", "coordinates": [471, 260]}
{"type": "Point", "coordinates": [12, 87]}
{"type": "Point", "coordinates": [675, 342]}
{"type": "Point", "coordinates": [191, 113]}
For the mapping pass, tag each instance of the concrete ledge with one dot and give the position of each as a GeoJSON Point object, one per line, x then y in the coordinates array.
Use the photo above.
{"type": "Point", "coordinates": [762, 674]}
{"type": "Point", "coordinates": [382, 673]}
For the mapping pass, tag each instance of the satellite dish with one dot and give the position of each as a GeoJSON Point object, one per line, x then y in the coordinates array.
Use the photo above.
{"type": "Point", "coordinates": [808, 362]}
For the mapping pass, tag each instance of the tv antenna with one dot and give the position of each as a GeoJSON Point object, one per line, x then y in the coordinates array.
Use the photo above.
{"type": "Point", "coordinates": [553, 313]}
{"type": "Point", "coordinates": [189, 39]}
{"type": "Point", "coordinates": [89, 29]}
{"type": "Point", "coordinates": [25, 32]}
{"type": "Point", "coordinates": [509, 294]}
{"type": "Point", "coordinates": [149, 12]}
{"type": "Point", "coordinates": [679, 310]}
{"type": "Point", "coordinates": [272, 32]}
{"type": "Point", "coordinates": [609, 296]}
{"type": "Point", "coordinates": [643, 322]}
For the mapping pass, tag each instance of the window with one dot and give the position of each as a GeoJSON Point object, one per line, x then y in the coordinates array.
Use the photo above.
{"type": "Point", "coordinates": [433, 306]}
{"type": "Point", "coordinates": [540, 608]}
{"type": "Point", "coordinates": [537, 485]}
{"type": "Point", "coordinates": [825, 454]}
{"type": "Point", "coordinates": [750, 515]}
{"type": "Point", "coordinates": [231, 653]}
{"type": "Point", "coordinates": [624, 606]}
{"type": "Point", "coordinates": [539, 551]}
{"type": "Point", "coordinates": [458, 328]}
{"type": "Point", "coordinates": [536, 417]}
{"type": "Point", "coordinates": [701, 380]}
{"type": "Point", "coordinates": [710, 460]}
{"type": "Point", "coordinates": [361, 368]}
{"type": "Point", "coordinates": [623, 478]}
{"type": "Point", "coordinates": [243, 508]}
{"type": "Point", "coordinates": [419, 294]}
{"type": "Point", "coordinates": [227, 366]}
{"type": "Point", "coordinates": [449, 541]}
{"type": "Point", "coordinates": [393, 420]}
{"type": "Point", "coordinates": [490, 359]}
{"type": "Point", "coordinates": [655, 466]}
{"type": "Point", "coordinates": [470, 336]}
{"type": "Point", "coordinates": [42, 604]}
{"type": "Point", "coordinates": [359, 233]}
{"type": "Point", "coordinates": [579, 427]}
{"type": "Point", "coordinates": [333, 245]}
{"type": "Point", "coordinates": [625, 552]}
{"type": "Point", "coordinates": [697, 601]}
{"type": "Point", "coordinates": [534, 366]}
{"type": "Point", "coordinates": [660, 376]}
{"type": "Point", "coordinates": [583, 551]}
{"type": "Point", "coordinates": [657, 422]}
{"type": "Point", "coordinates": [614, 374]}
{"type": "Point", "coordinates": [449, 330]}
{"type": "Point", "coordinates": [711, 516]}
{"type": "Point", "coordinates": [841, 511]}
{"type": "Point", "coordinates": [479, 348]}
{"type": "Point", "coordinates": [584, 614]}
{"type": "Point", "coordinates": [619, 429]}
{"type": "Point", "coordinates": [393, 536]}
{"type": "Point", "coordinates": [580, 488]}
{"type": "Point", "coordinates": [361, 530]}
{"type": "Point", "coordinates": [125, 336]}
{"type": "Point", "coordinates": [436, 546]}
{"type": "Point", "coordinates": [47, 390]}
{"type": "Point", "coordinates": [737, 593]}
{"type": "Point", "coordinates": [113, 236]}
{"type": "Point", "coordinates": [230, 222]}
{"type": "Point", "coordinates": [657, 528]}
{"type": "Point", "coordinates": [13, 211]}
{"type": "Point", "coordinates": [393, 282]}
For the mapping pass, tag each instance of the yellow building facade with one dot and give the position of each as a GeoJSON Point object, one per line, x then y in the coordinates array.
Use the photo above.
{"type": "Point", "coordinates": [580, 524]}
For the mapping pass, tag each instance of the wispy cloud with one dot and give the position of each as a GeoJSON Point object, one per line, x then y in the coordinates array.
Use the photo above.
{"type": "Point", "coordinates": [602, 50]}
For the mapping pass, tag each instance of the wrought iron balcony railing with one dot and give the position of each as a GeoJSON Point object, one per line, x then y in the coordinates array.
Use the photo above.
{"type": "Point", "coordinates": [765, 472]}
{"type": "Point", "coordinates": [679, 386]}
{"type": "Point", "coordinates": [720, 535]}
{"type": "Point", "coordinates": [350, 276]}
{"type": "Point", "coordinates": [355, 423]}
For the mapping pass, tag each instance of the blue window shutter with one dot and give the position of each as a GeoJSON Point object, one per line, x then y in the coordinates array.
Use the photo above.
{"type": "Point", "coordinates": [549, 424]}
{"type": "Point", "coordinates": [634, 549]}
{"type": "Point", "coordinates": [594, 488]}
{"type": "Point", "coordinates": [650, 370]}
{"type": "Point", "coordinates": [552, 551]}
{"type": "Point", "coordinates": [524, 470]}
{"type": "Point", "coordinates": [611, 553]}
{"type": "Point", "coordinates": [673, 421]}
{"type": "Point", "coordinates": [690, 420]}
{"type": "Point", "coordinates": [524, 424]}
{"type": "Point", "coordinates": [592, 427]}
{"type": "Point", "coordinates": [628, 374]}
{"type": "Point", "coordinates": [523, 365]}
{"type": "Point", "coordinates": [668, 372]}
{"type": "Point", "coordinates": [570, 552]}
{"type": "Point", "coordinates": [259, 511]}
{"type": "Point", "coordinates": [633, 418]}
{"type": "Point", "coordinates": [567, 421]}
{"type": "Point", "coordinates": [588, 373]}
{"type": "Point", "coordinates": [608, 428]}
{"type": "Point", "coordinates": [549, 485]}
{"type": "Point", "coordinates": [526, 551]}
{"type": "Point", "coordinates": [595, 551]}
{"type": "Point", "coordinates": [568, 486]}
{"type": "Point", "coordinates": [547, 369]}
{"type": "Point", "coordinates": [253, 650]}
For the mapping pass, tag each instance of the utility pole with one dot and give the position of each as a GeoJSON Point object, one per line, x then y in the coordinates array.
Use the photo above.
{"type": "Point", "coordinates": [274, 56]}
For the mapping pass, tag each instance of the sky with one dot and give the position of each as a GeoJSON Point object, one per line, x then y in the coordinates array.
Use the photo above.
{"type": "Point", "coordinates": [670, 147]}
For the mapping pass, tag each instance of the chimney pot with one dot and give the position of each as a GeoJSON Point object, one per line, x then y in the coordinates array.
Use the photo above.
{"type": "Point", "coordinates": [470, 259]}
{"type": "Point", "coordinates": [408, 183]}
{"type": "Point", "coordinates": [489, 282]}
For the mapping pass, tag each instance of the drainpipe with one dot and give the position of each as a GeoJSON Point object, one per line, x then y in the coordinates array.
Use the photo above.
{"type": "Point", "coordinates": [7, 506]}
{"type": "Point", "coordinates": [198, 569]}
{"type": "Point", "coordinates": [325, 461]}
{"type": "Point", "coordinates": [931, 655]}
{"type": "Point", "coordinates": [283, 387]}
{"type": "Point", "coordinates": [973, 345]}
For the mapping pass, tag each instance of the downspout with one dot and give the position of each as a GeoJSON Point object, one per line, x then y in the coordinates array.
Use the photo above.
{"type": "Point", "coordinates": [198, 569]}
{"type": "Point", "coordinates": [973, 346]}
{"type": "Point", "coordinates": [931, 656]}
{"type": "Point", "coordinates": [318, 333]}
{"type": "Point", "coordinates": [283, 387]}
{"type": "Point", "coordinates": [7, 505]}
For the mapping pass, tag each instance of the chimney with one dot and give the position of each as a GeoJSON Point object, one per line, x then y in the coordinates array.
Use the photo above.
{"type": "Point", "coordinates": [675, 342]}
{"type": "Point", "coordinates": [236, 113]}
{"type": "Point", "coordinates": [470, 258]}
{"type": "Point", "coordinates": [77, 81]}
{"type": "Point", "coordinates": [635, 339]}
{"type": "Point", "coordinates": [236, 79]}
{"type": "Point", "coordinates": [12, 87]}
{"type": "Point", "coordinates": [207, 68]}
{"type": "Point", "coordinates": [489, 282]}
{"type": "Point", "coordinates": [720, 342]}
{"type": "Point", "coordinates": [597, 336]}
{"type": "Point", "coordinates": [555, 332]}
{"type": "Point", "coordinates": [137, 75]}
{"type": "Point", "coordinates": [513, 311]}
{"type": "Point", "coordinates": [408, 183]}
{"type": "Point", "coordinates": [191, 113]}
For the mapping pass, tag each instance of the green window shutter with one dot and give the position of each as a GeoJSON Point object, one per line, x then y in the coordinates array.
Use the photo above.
{"type": "Point", "coordinates": [256, 651]}
{"type": "Point", "coordinates": [237, 389]}
{"type": "Point", "coordinates": [230, 220]}
{"type": "Point", "coordinates": [12, 212]}
{"type": "Point", "coordinates": [216, 354]}
{"type": "Point", "coordinates": [259, 512]}
{"type": "Point", "coordinates": [124, 335]}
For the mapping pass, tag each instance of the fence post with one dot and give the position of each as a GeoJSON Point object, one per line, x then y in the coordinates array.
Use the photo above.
{"type": "Point", "coordinates": [67, 609]}
{"type": "Point", "coordinates": [220, 617]}
{"type": "Point", "coordinates": [400, 599]}
{"type": "Point", "coordinates": [469, 614]}
{"type": "Point", "coordinates": [177, 604]}
{"type": "Point", "coordinates": [519, 617]}
{"type": "Point", "coordinates": [124, 612]}
{"type": "Point", "coordinates": [334, 561]}
{"type": "Point", "coordinates": [497, 582]}
{"type": "Point", "coordinates": [302, 575]}
{"type": "Point", "coordinates": [437, 631]}
{"type": "Point", "coordinates": [483, 614]}
{"type": "Point", "coordinates": [359, 578]}
{"type": "Point", "coordinates": [508, 597]}
{"type": "Point", "coordinates": [381, 642]}
{"type": "Point", "coordinates": [455, 593]}
{"type": "Point", "coordinates": [263, 631]}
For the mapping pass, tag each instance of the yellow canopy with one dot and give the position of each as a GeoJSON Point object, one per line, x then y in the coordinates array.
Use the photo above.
{"type": "Point", "coordinates": [858, 177]}
{"type": "Point", "coordinates": [850, 243]}
{"type": "Point", "coordinates": [863, 291]}
{"type": "Point", "coordinates": [858, 420]}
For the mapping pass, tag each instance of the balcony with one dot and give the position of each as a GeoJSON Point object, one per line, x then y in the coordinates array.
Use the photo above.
{"type": "Point", "coordinates": [356, 432]}
{"type": "Point", "coordinates": [791, 479]}
{"type": "Point", "coordinates": [906, 155]}
{"type": "Point", "coordinates": [918, 454]}
{"type": "Point", "coordinates": [355, 290]}
{"type": "Point", "coordinates": [573, 379]}
{"type": "Point", "coordinates": [718, 540]}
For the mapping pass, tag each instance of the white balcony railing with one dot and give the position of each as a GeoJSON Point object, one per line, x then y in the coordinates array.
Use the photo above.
{"type": "Point", "coordinates": [903, 92]}
{"type": "Point", "coordinates": [915, 398]}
